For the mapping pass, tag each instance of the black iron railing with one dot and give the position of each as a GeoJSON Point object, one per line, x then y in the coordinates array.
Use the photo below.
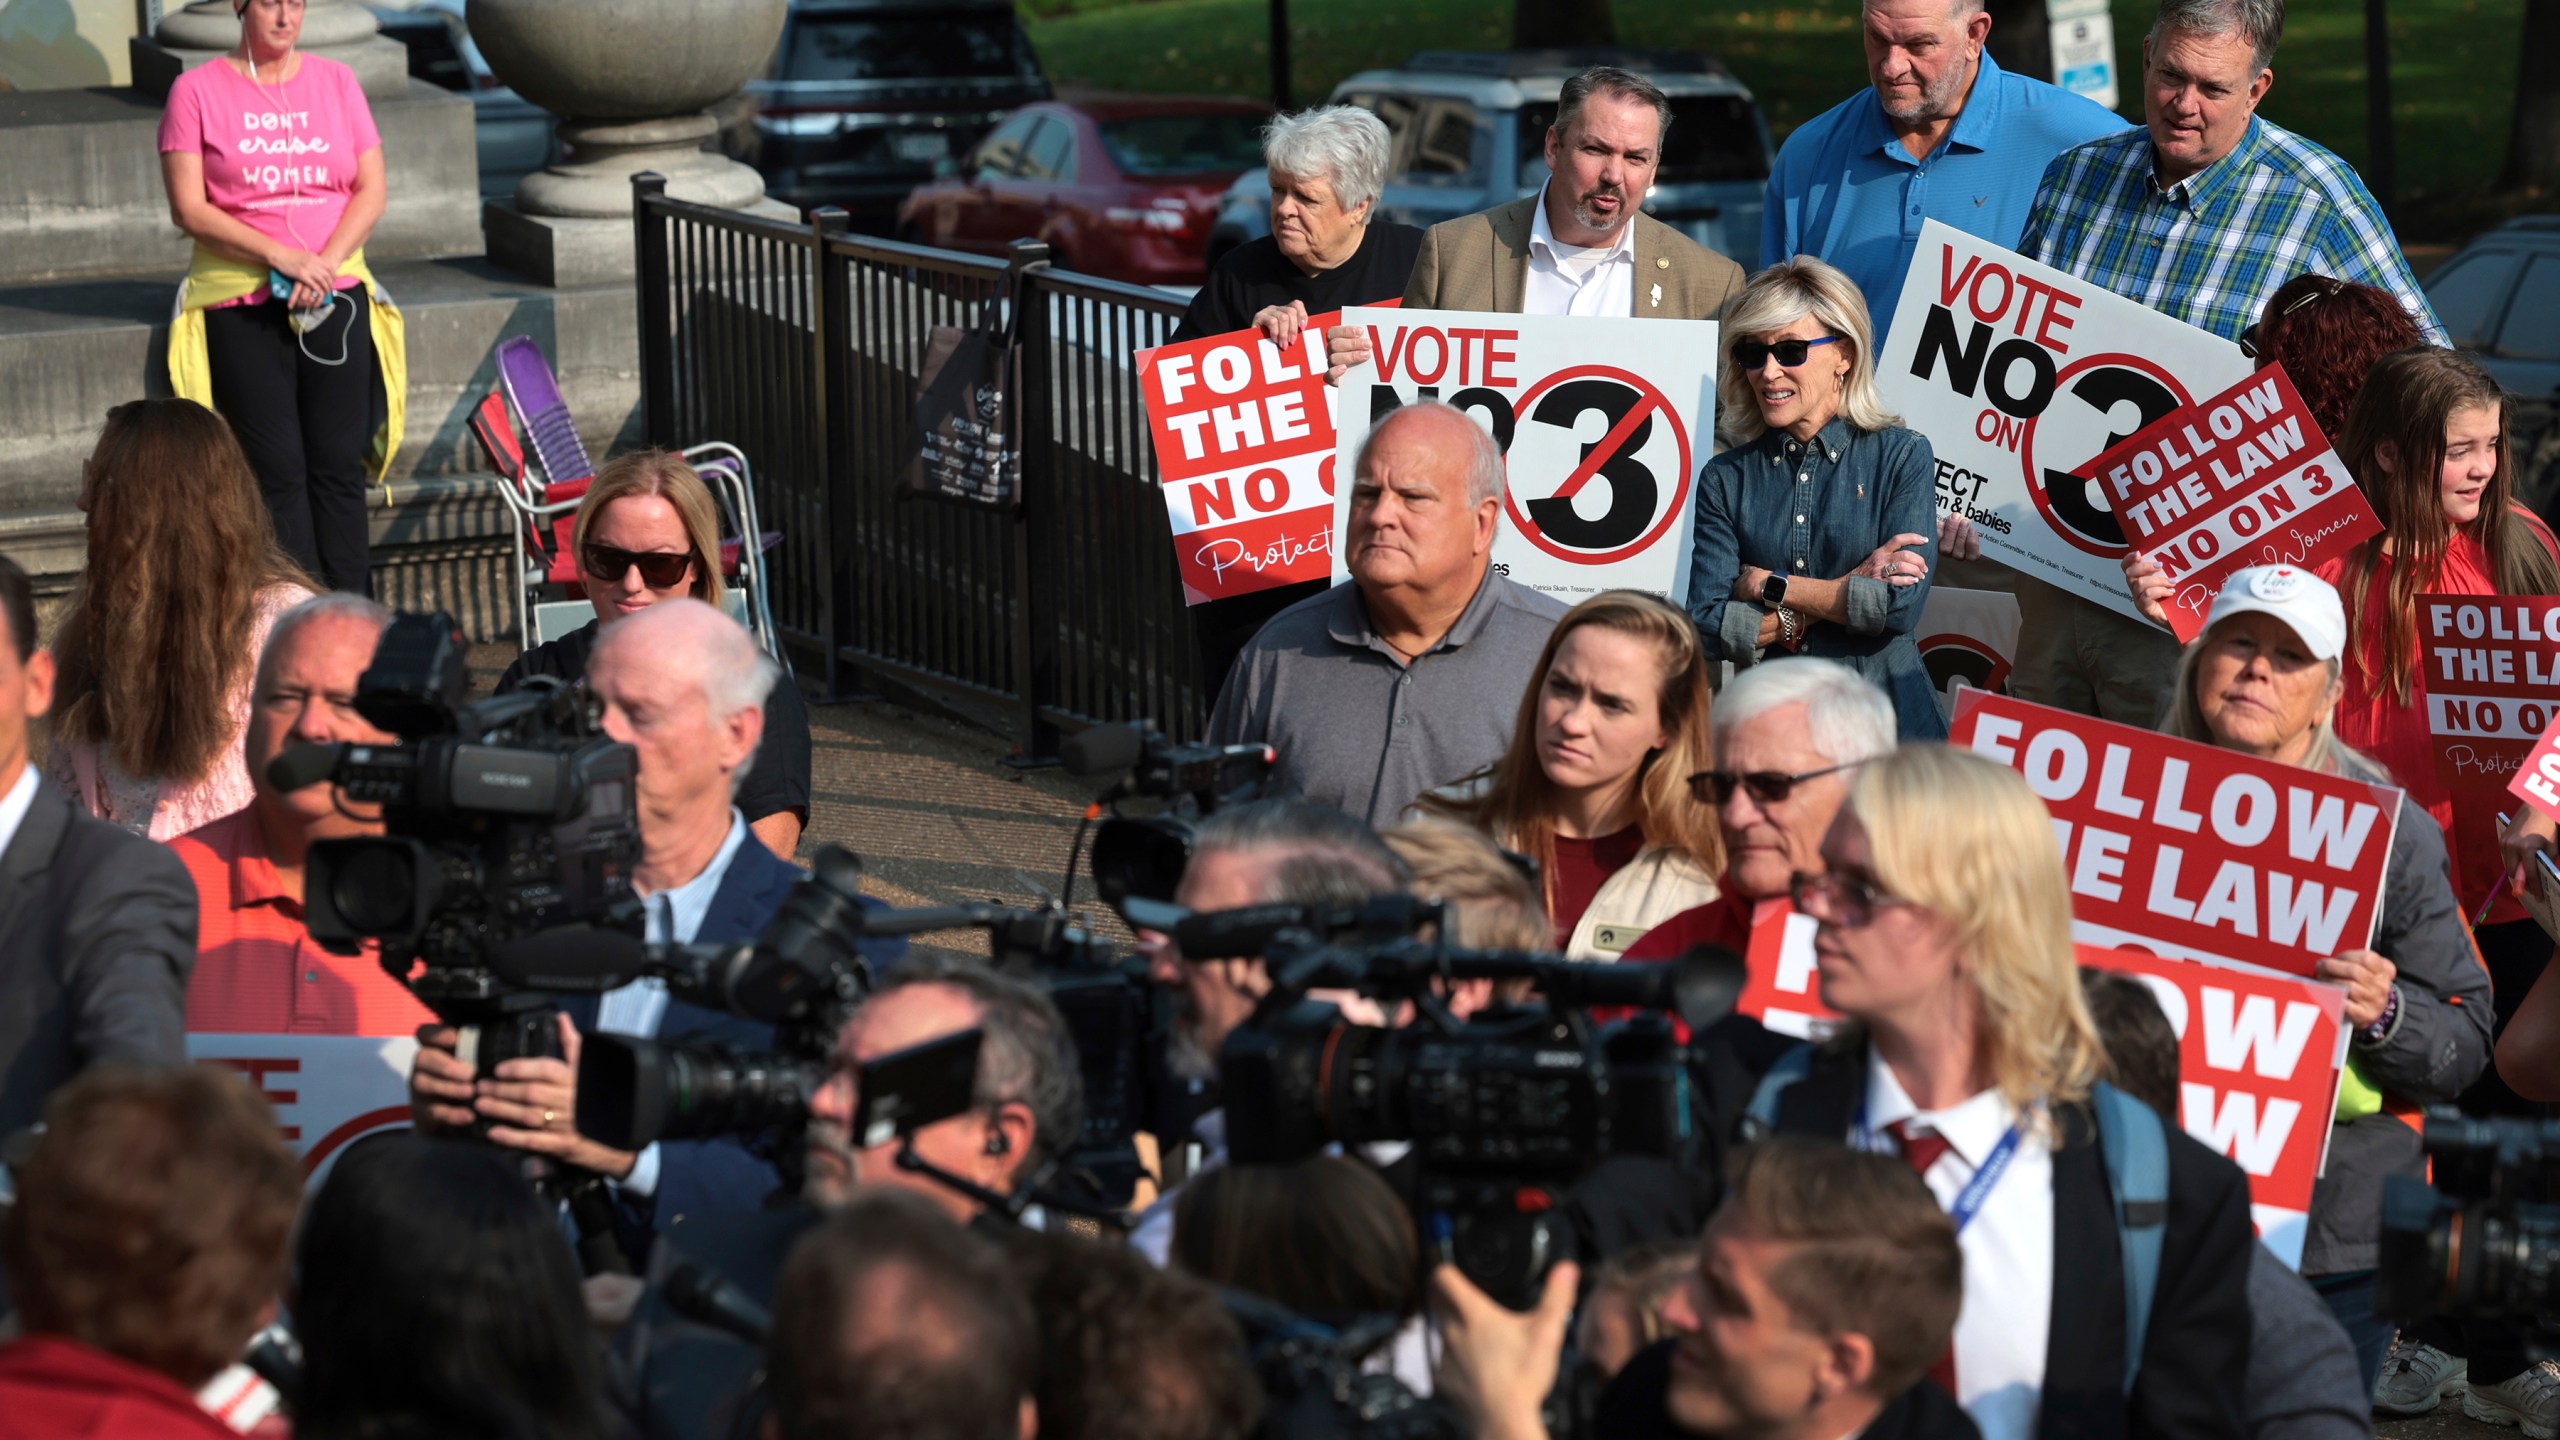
{"type": "Point", "coordinates": [801, 344]}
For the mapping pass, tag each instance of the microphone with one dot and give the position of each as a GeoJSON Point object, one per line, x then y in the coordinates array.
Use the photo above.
{"type": "Point", "coordinates": [300, 764]}
{"type": "Point", "coordinates": [576, 959]}
{"type": "Point", "coordinates": [706, 1298]}
{"type": "Point", "coordinates": [1247, 931]}
{"type": "Point", "coordinates": [1102, 750]}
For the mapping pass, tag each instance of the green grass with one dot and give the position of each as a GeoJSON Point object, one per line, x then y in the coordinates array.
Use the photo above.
{"type": "Point", "coordinates": [2453, 65]}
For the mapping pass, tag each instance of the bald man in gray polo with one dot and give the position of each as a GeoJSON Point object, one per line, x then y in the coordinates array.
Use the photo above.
{"type": "Point", "coordinates": [1408, 677]}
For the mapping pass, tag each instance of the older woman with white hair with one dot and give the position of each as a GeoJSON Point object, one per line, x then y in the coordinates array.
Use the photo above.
{"type": "Point", "coordinates": [2263, 679]}
{"type": "Point", "coordinates": [1327, 248]}
{"type": "Point", "coordinates": [1816, 533]}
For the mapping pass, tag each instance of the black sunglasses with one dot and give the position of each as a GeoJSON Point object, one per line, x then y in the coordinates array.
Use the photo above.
{"type": "Point", "coordinates": [1767, 787]}
{"type": "Point", "coordinates": [658, 569]}
{"type": "Point", "coordinates": [1752, 354]}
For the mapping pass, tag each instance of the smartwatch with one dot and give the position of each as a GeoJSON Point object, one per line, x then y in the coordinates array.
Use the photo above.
{"type": "Point", "coordinates": [1773, 591]}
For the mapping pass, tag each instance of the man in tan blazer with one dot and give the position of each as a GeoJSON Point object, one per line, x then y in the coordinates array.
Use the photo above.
{"type": "Point", "coordinates": [1579, 246]}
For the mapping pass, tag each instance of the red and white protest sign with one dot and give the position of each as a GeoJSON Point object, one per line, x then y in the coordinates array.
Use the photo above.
{"type": "Point", "coordinates": [1603, 424]}
{"type": "Point", "coordinates": [2258, 1064]}
{"type": "Point", "coordinates": [1968, 638]}
{"type": "Point", "coordinates": [2537, 781]}
{"type": "Point", "coordinates": [2193, 851]}
{"type": "Point", "coordinates": [2019, 373]}
{"type": "Point", "coordinates": [1781, 989]}
{"type": "Point", "coordinates": [2245, 478]}
{"type": "Point", "coordinates": [2490, 667]}
{"type": "Point", "coordinates": [329, 1091]}
{"type": "Point", "coordinates": [1244, 441]}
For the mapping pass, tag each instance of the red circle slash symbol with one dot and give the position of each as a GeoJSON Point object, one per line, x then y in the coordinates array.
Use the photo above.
{"type": "Point", "coordinates": [1636, 516]}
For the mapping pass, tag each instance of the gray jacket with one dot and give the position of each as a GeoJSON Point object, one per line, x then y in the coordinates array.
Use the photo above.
{"type": "Point", "coordinates": [2437, 1045]}
{"type": "Point", "coordinates": [2303, 1380]}
{"type": "Point", "coordinates": [97, 937]}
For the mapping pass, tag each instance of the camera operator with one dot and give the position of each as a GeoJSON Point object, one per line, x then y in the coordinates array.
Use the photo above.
{"type": "Point", "coordinates": [1826, 1283]}
{"type": "Point", "coordinates": [1029, 1099]}
{"type": "Point", "coordinates": [147, 1245]}
{"type": "Point", "coordinates": [1267, 852]}
{"type": "Point", "coordinates": [685, 686]}
{"type": "Point", "coordinates": [257, 969]}
{"type": "Point", "coordinates": [97, 925]}
{"type": "Point", "coordinates": [894, 1323]}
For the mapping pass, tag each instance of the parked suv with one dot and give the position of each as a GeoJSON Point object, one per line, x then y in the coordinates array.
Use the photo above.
{"type": "Point", "coordinates": [865, 98]}
{"type": "Point", "coordinates": [1470, 132]}
{"type": "Point", "coordinates": [2499, 297]}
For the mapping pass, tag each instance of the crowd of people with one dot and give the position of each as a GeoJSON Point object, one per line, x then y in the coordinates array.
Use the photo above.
{"type": "Point", "coordinates": [1921, 1226]}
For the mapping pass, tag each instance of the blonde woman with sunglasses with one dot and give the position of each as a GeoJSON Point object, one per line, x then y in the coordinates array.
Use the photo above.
{"type": "Point", "coordinates": [647, 532]}
{"type": "Point", "coordinates": [1816, 534]}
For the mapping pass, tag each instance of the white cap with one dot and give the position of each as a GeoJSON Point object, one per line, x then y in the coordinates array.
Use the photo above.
{"type": "Point", "coordinates": [2293, 595]}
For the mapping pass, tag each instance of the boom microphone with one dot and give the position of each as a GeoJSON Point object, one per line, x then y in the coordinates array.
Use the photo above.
{"type": "Point", "coordinates": [300, 764]}
{"type": "Point", "coordinates": [1246, 932]}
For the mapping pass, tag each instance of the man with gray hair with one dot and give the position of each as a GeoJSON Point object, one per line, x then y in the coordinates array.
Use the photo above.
{"type": "Point", "coordinates": [257, 969]}
{"type": "Point", "coordinates": [2201, 214]}
{"type": "Point", "coordinates": [685, 686]}
{"type": "Point", "coordinates": [1581, 245]}
{"type": "Point", "coordinates": [1789, 736]}
{"type": "Point", "coordinates": [1408, 677]}
{"type": "Point", "coordinates": [1941, 133]}
{"type": "Point", "coordinates": [1268, 852]}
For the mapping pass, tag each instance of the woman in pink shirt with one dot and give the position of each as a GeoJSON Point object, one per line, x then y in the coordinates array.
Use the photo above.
{"type": "Point", "coordinates": [274, 167]}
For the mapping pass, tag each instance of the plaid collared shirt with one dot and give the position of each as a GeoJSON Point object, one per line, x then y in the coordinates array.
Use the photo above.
{"type": "Point", "coordinates": [2211, 249]}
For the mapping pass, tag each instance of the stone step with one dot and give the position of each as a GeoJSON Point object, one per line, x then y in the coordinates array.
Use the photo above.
{"type": "Point", "coordinates": [69, 352]}
{"type": "Point", "coordinates": [80, 191]}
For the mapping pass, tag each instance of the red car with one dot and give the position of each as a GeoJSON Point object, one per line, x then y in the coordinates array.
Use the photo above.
{"type": "Point", "coordinates": [1119, 187]}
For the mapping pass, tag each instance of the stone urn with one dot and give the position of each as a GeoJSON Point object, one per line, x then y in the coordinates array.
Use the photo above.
{"type": "Point", "coordinates": [630, 80]}
{"type": "Point", "coordinates": [337, 29]}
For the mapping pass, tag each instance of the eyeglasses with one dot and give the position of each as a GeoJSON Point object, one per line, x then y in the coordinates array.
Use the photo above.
{"type": "Point", "coordinates": [659, 570]}
{"type": "Point", "coordinates": [1752, 354]}
{"type": "Point", "coordinates": [1767, 787]}
{"type": "Point", "coordinates": [1849, 901]}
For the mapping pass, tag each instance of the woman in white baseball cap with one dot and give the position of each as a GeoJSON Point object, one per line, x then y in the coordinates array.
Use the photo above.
{"type": "Point", "coordinates": [2264, 679]}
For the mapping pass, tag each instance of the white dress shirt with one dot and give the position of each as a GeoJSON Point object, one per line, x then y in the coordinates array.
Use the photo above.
{"type": "Point", "coordinates": [1571, 280]}
{"type": "Point", "coordinates": [637, 1009]}
{"type": "Point", "coordinates": [14, 806]}
{"type": "Point", "coordinates": [2002, 1334]}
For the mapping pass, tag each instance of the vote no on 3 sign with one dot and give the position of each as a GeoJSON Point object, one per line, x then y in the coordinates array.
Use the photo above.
{"type": "Point", "coordinates": [1603, 424]}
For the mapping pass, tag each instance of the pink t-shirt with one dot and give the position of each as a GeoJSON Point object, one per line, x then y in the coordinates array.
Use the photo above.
{"type": "Point", "coordinates": [280, 157]}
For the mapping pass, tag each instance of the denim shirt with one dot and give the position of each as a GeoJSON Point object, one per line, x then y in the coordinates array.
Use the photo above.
{"type": "Point", "coordinates": [1818, 510]}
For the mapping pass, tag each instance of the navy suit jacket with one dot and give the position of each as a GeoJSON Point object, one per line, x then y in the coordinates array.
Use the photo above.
{"type": "Point", "coordinates": [700, 1177]}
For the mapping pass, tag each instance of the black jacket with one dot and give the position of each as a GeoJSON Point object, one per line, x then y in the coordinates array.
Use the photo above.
{"type": "Point", "coordinates": [2195, 1359]}
{"type": "Point", "coordinates": [97, 938]}
{"type": "Point", "coordinates": [1636, 1407]}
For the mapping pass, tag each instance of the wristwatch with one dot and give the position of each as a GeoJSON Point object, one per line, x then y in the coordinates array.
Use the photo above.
{"type": "Point", "coordinates": [1773, 591]}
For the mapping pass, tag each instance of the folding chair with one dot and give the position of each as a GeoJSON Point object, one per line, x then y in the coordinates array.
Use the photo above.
{"type": "Point", "coordinates": [545, 477]}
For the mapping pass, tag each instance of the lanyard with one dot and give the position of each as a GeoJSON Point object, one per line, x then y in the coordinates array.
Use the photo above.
{"type": "Point", "coordinates": [1968, 1202]}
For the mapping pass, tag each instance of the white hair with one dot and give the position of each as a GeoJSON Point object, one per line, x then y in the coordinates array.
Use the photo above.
{"type": "Point", "coordinates": [734, 672]}
{"type": "Point", "coordinates": [1846, 716]}
{"type": "Point", "coordinates": [1483, 461]}
{"type": "Point", "coordinates": [344, 604]}
{"type": "Point", "coordinates": [1343, 145]}
{"type": "Point", "coordinates": [2259, 22]}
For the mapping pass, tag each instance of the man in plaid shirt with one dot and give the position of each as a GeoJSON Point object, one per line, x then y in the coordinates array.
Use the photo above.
{"type": "Point", "coordinates": [2200, 214]}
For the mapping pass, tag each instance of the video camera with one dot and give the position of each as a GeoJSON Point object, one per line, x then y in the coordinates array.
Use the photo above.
{"type": "Point", "coordinates": [1144, 855]}
{"type": "Point", "coordinates": [1504, 1110]}
{"type": "Point", "coordinates": [2484, 1240]}
{"type": "Point", "coordinates": [502, 820]}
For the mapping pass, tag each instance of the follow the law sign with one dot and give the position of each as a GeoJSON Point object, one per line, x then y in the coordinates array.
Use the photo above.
{"type": "Point", "coordinates": [1603, 424]}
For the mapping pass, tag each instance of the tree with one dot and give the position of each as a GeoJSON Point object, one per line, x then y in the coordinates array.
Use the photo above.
{"type": "Point", "coordinates": [1557, 24]}
{"type": "Point", "coordinates": [2021, 39]}
{"type": "Point", "coordinates": [2533, 141]}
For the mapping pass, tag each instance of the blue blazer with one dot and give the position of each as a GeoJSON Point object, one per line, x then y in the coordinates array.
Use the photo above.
{"type": "Point", "coordinates": [700, 1177]}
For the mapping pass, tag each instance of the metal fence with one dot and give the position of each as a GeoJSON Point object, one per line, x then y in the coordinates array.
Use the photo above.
{"type": "Point", "coordinates": [801, 346]}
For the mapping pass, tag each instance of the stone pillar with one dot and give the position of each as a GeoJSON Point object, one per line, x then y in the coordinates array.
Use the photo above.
{"type": "Point", "coordinates": [333, 29]}
{"type": "Point", "coordinates": [631, 80]}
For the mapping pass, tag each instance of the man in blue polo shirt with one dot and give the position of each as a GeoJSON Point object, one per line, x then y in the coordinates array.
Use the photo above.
{"type": "Point", "coordinates": [1944, 135]}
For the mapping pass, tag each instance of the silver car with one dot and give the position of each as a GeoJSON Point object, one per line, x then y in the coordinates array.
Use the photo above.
{"type": "Point", "coordinates": [1470, 133]}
